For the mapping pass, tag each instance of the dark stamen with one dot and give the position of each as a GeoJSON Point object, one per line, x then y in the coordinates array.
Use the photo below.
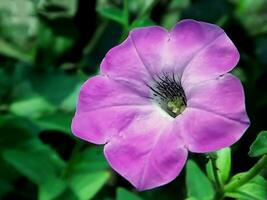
{"type": "Point", "coordinates": [169, 94]}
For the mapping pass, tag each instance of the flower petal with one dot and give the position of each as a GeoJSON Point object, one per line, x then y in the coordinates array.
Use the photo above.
{"type": "Point", "coordinates": [214, 58]}
{"type": "Point", "coordinates": [204, 131]}
{"type": "Point", "coordinates": [99, 126]}
{"type": "Point", "coordinates": [188, 38]}
{"type": "Point", "coordinates": [133, 60]}
{"type": "Point", "coordinates": [151, 154]}
{"type": "Point", "coordinates": [215, 116]}
{"type": "Point", "coordinates": [105, 107]}
{"type": "Point", "coordinates": [101, 91]}
{"type": "Point", "coordinates": [151, 43]}
{"type": "Point", "coordinates": [223, 96]}
{"type": "Point", "coordinates": [201, 50]}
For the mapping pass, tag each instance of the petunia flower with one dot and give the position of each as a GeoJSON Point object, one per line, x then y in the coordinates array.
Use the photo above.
{"type": "Point", "coordinates": [159, 95]}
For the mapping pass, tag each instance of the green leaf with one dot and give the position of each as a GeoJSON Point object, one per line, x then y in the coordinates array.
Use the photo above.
{"type": "Point", "coordinates": [5, 187]}
{"type": "Point", "coordinates": [51, 188]}
{"type": "Point", "coordinates": [255, 20]}
{"type": "Point", "coordinates": [69, 103]}
{"type": "Point", "coordinates": [255, 189]}
{"type": "Point", "coordinates": [123, 194]}
{"type": "Point", "coordinates": [10, 50]}
{"type": "Point", "coordinates": [7, 177]}
{"type": "Point", "coordinates": [62, 36]}
{"type": "Point", "coordinates": [4, 82]}
{"type": "Point", "coordinates": [12, 134]}
{"type": "Point", "coordinates": [261, 51]}
{"type": "Point", "coordinates": [86, 185]}
{"type": "Point", "coordinates": [206, 10]}
{"type": "Point", "coordinates": [191, 198]}
{"type": "Point", "coordinates": [82, 181]}
{"type": "Point", "coordinates": [36, 161]}
{"type": "Point", "coordinates": [32, 107]}
{"type": "Point", "coordinates": [68, 194]}
{"type": "Point", "coordinates": [56, 87]}
{"type": "Point", "coordinates": [40, 164]}
{"type": "Point", "coordinates": [141, 22]}
{"type": "Point", "coordinates": [88, 174]}
{"type": "Point", "coordinates": [141, 7]}
{"type": "Point", "coordinates": [91, 160]}
{"type": "Point", "coordinates": [58, 121]}
{"type": "Point", "coordinates": [223, 165]}
{"type": "Point", "coordinates": [259, 146]}
{"type": "Point", "coordinates": [57, 8]}
{"type": "Point", "coordinates": [112, 13]}
{"type": "Point", "coordinates": [173, 13]}
{"type": "Point", "coordinates": [198, 185]}
{"type": "Point", "coordinates": [240, 73]}
{"type": "Point", "coordinates": [18, 27]}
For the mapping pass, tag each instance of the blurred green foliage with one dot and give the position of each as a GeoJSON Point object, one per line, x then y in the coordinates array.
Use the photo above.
{"type": "Point", "coordinates": [259, 146]}
{"type": "Point", "coordinates": [48, 48]}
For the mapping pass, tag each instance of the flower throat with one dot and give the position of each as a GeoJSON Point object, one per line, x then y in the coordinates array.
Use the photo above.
{"type": "Point", "coordinates": [169, 94]}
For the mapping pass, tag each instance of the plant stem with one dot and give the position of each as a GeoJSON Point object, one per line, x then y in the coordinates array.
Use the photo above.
{"type": "Point", "coordinates": [126, 25]}
{"type": "Point", "coordinates": [97, 35]}
{"type": "Point", "coordinates": [218, 184]}
{"type": "Point", "coordinates": [126, 14]}
{"type": "Point", "coordinates": [254, 171]}
{"type": "Point", "coordinates": [142, 14]}
{"type": "Point", "coordinates": [147, 11]}
{"type": "Point", "coordinates": [219, 187]}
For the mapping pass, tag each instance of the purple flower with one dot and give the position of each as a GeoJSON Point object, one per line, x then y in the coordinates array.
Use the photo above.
{"type": "Point", "coordinates": [159, 95]}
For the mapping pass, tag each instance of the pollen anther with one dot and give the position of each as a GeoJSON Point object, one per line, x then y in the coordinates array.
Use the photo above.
{"type": "Point", "coordinates": [169, 94]}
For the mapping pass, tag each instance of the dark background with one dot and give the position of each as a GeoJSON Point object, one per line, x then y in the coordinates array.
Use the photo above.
{"type": "Point", "coordinates": [48, 48]}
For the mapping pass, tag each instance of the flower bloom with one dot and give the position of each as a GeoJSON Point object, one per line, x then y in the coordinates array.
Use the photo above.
{"type": "Point", "coordinates": [159, 95]}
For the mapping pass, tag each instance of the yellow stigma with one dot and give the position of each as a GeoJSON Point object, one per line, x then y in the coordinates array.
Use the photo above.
{"type": "Point", "coordinates": [176, 106]}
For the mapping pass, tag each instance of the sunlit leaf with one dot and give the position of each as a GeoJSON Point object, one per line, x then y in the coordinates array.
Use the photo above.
{"type": "Point", "coordinates": [255, 189]}
{"type": "Point", "coordinates": [33, 107]}
{"type": "Point", "coordinates": [51, 188]}
{"type": "Point", "coordinates": [191, 198]}
{"type": "Point", "coordinates": [123, 194]}
{"type": "Point", "coordinates": [88, 174]}
{"type": "Point", "coordinates": [68, 194]}
{"type": "Point", "coordinates": [86, 185]}
{"type": "Point", "coordinates": [198, 185]}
